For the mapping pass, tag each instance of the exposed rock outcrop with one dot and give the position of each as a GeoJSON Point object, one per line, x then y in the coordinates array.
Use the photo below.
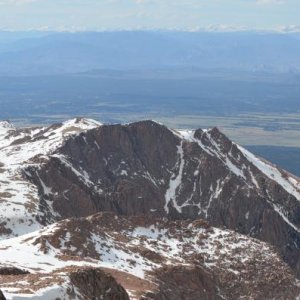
{"type": "Point", "coordinates": [12, 271]}
{"type": "Point", "coordinates": [81, 283]}
{"type": "Point", "coordinates": [96, 284]}
{"type": "Point", "coordinates": [193, 283]}
{"type": "Point", "coordinates": [2, 296]}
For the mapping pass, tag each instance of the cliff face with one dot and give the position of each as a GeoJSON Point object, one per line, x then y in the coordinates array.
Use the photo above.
{"type": "Point", "coordinates": [147, 168]}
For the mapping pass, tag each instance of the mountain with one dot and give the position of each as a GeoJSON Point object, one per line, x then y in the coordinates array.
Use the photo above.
{"type": "Point", "coordinates": [158, 185]}
{"type": "Point", "coordinates": [18, 147]}
{"type": "Point", "coordinates": [58, 53]}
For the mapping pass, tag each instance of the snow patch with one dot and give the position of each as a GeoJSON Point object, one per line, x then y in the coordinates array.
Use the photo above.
{"type": "Point", "coordinates": [287, 183]}
{"type": "Point", "coordinates": [175, 182]}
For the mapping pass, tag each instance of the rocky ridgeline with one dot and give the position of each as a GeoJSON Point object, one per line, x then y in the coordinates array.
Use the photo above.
{"type": "Point", "coordinates": [80, 168]}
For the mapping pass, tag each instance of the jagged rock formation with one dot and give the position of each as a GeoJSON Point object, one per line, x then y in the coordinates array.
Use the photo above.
{"type": "Point", "coordinates": [96, 284]}
{"type": "Point", "coordinates": [81, 167]}
{"type": "Point", "coordinates": [166, 260]}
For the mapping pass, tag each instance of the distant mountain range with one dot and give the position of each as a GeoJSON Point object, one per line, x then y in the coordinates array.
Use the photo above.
{"type": "Point", "coordinates": [37, 53]}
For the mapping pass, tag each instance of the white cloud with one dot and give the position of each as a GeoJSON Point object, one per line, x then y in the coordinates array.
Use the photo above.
{"type": "Point", "coordinates": [16, 2]}
{"type": "Point", "coordinates": [266, 2]}
{"type": "Point", "coordinates": [289, 28]}
{"type": "Point", "coordinates": [221, 28]}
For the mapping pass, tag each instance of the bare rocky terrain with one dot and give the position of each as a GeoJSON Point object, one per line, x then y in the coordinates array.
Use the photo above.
{"type": "Point", "coordinates": [164, 259]}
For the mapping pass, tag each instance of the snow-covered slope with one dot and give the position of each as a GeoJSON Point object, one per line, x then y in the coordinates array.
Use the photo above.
{"type": "Point", "coordinates": [214, 148]}
{"type": "Point", "coordinates": [142, 247]}
{"type": "Point", "coordinates": [19, 199]}
{"type": "Point", "coordinates": [287, 181]}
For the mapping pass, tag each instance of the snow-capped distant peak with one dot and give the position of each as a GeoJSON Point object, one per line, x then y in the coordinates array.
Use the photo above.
{"type": "Point", "coordinates": [83, 123]}
{"type": "Point", "coordinates": [6, 124]}
{"type": "Point", "coordinates": [5, 128]}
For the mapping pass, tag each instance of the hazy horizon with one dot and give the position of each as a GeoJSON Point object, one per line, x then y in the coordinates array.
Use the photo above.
{"type": "Point", "coordinates": [149, 14]}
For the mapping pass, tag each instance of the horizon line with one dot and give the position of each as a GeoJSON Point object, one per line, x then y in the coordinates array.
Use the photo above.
{"type": "Point", "coordinates": [200, 30]}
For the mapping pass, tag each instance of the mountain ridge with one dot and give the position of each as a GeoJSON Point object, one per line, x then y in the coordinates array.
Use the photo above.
{"type": "Point", "coordinates": [55, 53]}
{"type": "Point", "coordinates": [80, 168]}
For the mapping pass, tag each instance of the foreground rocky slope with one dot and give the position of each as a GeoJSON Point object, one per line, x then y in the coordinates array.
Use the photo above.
{"type": "Point", "coordinates": [68, 283]}
{"type": "Point", "coordinates": [149, 257]}
{"type": "Point", "coordinates": [66, 173]}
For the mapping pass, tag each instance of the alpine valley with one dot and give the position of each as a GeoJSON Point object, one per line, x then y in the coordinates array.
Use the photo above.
{"type": "Point", "coordinates": [142, 211]}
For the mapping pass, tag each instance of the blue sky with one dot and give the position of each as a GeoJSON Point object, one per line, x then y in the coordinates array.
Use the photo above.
{"type": "Point", "coordinates": [149, 14]}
